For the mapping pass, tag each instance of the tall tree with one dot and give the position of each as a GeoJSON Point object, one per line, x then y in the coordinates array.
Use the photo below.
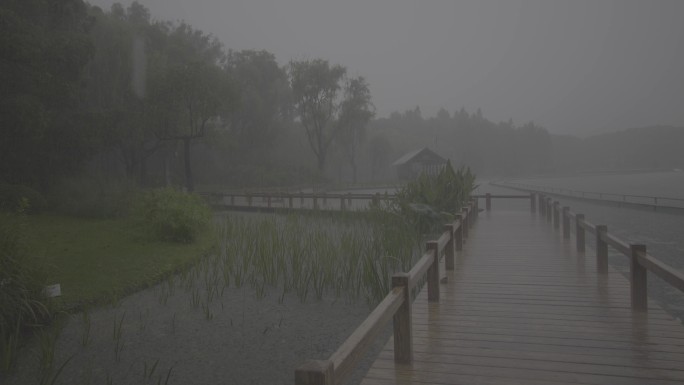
{"type": "Point", "coordinates": [263, 101]}
{"type": "Point", "coordinates": [356, 110]}
{"type": "Point", "coordinates": [186, 98]}
{"type": "Point", "coordinates": [44, 46]}
{"type": "Point", "coordinates": [315, 87]}
{"type": "Point", "coordinates": [115, 91]}
{"type": "Point", "coordinates": [188, 89]}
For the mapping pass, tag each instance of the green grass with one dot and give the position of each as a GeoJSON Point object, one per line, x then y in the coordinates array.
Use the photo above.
{"type": "Point", "coordinates": [99, 260]}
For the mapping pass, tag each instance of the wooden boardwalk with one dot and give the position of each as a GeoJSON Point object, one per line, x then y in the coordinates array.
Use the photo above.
{"type": "Point", "coordinates": [523, 307]}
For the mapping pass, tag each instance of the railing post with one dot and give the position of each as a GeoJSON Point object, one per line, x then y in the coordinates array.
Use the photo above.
{"type": "Point", "coordinates": [249, 200]}
{"type": "Point", "coordinates": [533, 202]}
{"type": "Point", "coordinates": [449, 248]}
{"type": "Point", "coordinates": [349, 199]}
{"type": "Point", "coordinates": [314, 372]}
{"type": "Point", "coordinates": [289, 200]}
{"type": "Point", "coordinates": [459, 232]}
{"type": "Point", "coordinates": [325, 198]}
{"type": "Point", "coordinates": [433, 271]}
{"type": "Point", "coordinates": [556, 215]}
{"type": "Point", "coordinates": [488, 200]}
{"type": "Point", "coordinates": [638, 275]}
{"type": "Point", "coordinates": [232, 200]}
{"type": "Point", "coordinates": [566, 222]}
{"type": "Point", "coordinates": [465, 224]}
{"type": "Point", "coordinates": [403, 335]}
{"type": "Point", "coordinates": [579, 232]}
{"type": "Point", "coordinates": [301, 199]}
{"type": "Point", "coordinates": [342, 206]}
{"type": "Point", "coordinates": [315, 202]}
{"type": "Point", "coordinates": [268, 199]}
{"type": "Point", "coordinates": [601, 249]}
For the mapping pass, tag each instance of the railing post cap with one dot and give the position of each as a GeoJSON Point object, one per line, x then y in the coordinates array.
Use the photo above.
{"type": "Point", "coordinates": [400, 279]}
{"type": "Point", "coordinates": [315, 372]}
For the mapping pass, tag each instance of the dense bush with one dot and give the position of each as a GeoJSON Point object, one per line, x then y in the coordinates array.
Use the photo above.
{"type": "Point", "coordinates": [171, 215]}
{"type": "Point", "coordinates": [429, 200]}
{"type": "Point", "coordinates": [21, 301]}
{"type": "Point", "coordinates": [17, 197]}
{"type": "Point", "coordinates": [92, 197]}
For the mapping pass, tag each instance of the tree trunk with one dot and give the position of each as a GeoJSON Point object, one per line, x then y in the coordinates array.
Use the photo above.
{"type": "Point", "coordinates": [354, 168]}
{"type": "Point", "coordinates": [189, 185]}
{"type": "Point", "coordinates": [321, 162]}
{"type": "Point", "coordinates": [143, 171]}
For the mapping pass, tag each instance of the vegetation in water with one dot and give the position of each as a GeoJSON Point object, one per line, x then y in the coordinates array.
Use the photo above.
{"type": "Point", "coordinates": [313, 255]}
{"type": "Point", "coordinates": [430, 201]}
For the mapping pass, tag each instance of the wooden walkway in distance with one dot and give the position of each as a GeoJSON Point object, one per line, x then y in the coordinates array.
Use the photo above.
{"type": "Point", "coordinates": [523, 307]}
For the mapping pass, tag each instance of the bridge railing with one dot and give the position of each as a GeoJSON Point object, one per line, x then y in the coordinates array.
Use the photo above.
{"type": "Point", "coordinates": [615, 198]}
{"type": "Point", "coordinates": [396, 306]}
{"type": "Point", "coordinates": [296, 200]}
{"type": "Point", "coordinates": [640, 260]}
{"type": "Point", "coordinates": [301, 200]}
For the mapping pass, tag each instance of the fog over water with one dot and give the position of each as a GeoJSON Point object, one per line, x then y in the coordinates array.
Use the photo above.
{"type": "Point", "coordinates": [576, 67]}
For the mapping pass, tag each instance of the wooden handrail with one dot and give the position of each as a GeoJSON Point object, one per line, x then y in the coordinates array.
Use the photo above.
{"type": "Point", "coordinates": [396, 305]}
{"type": "Point", "coordinates": [616, 242]}
{"type": "Point", "coordinates": [589, 194]}
{"type": "Point", "coordinates": [443, 240]}
{"type": "Point", "coordinates": [419, 269]}
{"type": "Point", "coordinates": [641, 261]}
{"type": "Point", "coordinates": [665, 272]}
{"type": "Point", "coordinates": [352, 349]}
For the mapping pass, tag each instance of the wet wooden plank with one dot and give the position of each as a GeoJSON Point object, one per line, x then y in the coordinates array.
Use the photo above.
{"type": "Point", "coordinates": [523, 307]}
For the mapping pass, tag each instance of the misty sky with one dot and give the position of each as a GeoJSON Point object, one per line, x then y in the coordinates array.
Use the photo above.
{"type": "Point", "coordinates": [571, 66]}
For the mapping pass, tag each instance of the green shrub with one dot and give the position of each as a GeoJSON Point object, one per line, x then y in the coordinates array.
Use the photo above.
{"type": "Point", "coordinates": [171, 215]}
{"type": "Point", "coordinates": [21, 301]}
{"type": "Point", "coordinates": [429, 200]}
{"type": "Point", "coordinates": [15, 198]}
{"type": "Point", "coordinates": [92, 197]}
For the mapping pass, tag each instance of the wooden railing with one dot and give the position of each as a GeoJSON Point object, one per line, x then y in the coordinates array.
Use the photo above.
{"type": "Point", "coordinates": [290, 200]}
{"type": "Point", "coordinates": [396, 306]}
{"type": "Point", "coordinates": [615, 198]}
{"type": "Point", "coordinates": [640, 260]}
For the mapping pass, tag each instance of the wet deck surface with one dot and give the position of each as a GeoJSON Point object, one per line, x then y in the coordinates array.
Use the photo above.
{"type": "Point", "coordinates": [523, 307]}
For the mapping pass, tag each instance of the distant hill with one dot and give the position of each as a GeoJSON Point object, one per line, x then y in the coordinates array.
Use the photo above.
{"type": "Point", "coordinates": [645, 148]}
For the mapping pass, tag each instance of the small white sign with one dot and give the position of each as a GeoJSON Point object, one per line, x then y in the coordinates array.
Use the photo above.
{"type": "Point", "coordinates": [52, 290]}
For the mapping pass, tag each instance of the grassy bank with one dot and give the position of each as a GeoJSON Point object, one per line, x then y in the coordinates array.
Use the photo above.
{"type": "Point", "coordinates": [98, 260]}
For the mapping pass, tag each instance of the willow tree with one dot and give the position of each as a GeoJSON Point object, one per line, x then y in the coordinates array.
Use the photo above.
{"type": "Point", "coordinates": [315, 88]}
